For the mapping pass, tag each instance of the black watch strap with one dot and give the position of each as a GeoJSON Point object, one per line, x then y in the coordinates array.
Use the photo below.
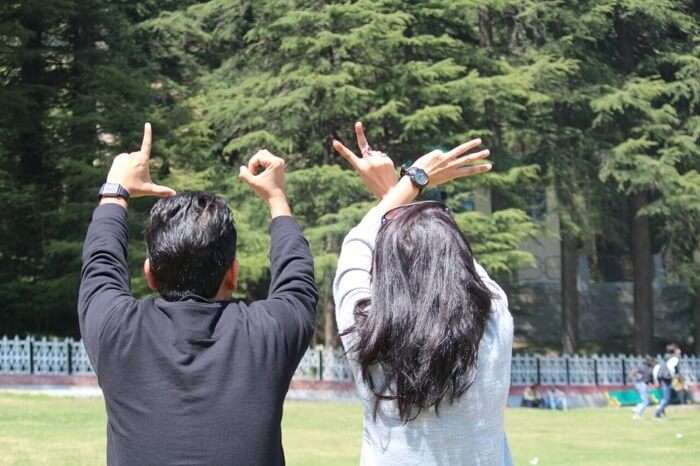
{"type": "Point", "coordinates": [413, 174]}
{"type": "Point", "coordinates": [113, 190]}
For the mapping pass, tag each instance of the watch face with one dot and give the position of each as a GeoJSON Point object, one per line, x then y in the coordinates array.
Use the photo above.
{"type": "Point", "coordinates": [421, 177]}
{"type": "Point", "coordinates": [110, 189]}
{"type": "Point", "coordinates": [113, 190]}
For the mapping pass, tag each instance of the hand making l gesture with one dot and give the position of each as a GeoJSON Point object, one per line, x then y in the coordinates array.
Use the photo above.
{"type": "Point", "coordinates": [133, 173]}
{"type": "Point", "coordinates": [458, 162]}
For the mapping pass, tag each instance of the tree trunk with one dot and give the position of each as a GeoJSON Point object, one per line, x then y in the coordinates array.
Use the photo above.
{"type": "Point", "coordinates": [83, 105]}
{"type": "Point", "coordinates": [643, 270]}
{"type": "Point", "coordinates": [330, 329]}
{"type": "Point", "coordinates": [485, 29]}
{"type": "Point", "coordinates": [29, 137]}
{"type": "Point", "coordinates": [569, 292]}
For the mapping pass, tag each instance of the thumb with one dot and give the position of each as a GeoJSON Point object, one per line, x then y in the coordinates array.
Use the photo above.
{"type": "Point", "coordinates": [245, 175]}
{"type": "Point", "coordinates": [161, 191]}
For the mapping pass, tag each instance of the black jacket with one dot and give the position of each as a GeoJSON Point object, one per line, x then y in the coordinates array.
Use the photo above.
{"type": "Point", "coordinates": [193, 382]}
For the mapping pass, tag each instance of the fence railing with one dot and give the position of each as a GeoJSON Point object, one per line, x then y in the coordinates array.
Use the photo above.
{"type": "Point", "coordinates": [68, 357]}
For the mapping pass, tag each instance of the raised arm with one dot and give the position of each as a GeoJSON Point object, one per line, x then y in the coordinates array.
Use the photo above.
{"type": "Point", "coordinates": [104, 280]}
{"type": "Point", "coordinates": [353, 273]}
{"type": "Point", "coordinates": [352, 281]}
{"type": "Point", "coordinates": [293, 295]}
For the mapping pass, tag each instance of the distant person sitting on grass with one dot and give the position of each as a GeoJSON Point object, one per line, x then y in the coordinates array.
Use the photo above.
{"type": "Point", "coordinates": [532, 397]}
{"type": "Point", "coordinates": [679, 387]}
{"type": "Point", "coordinates": [556, 399]}
{"type": "Point", "coordinates": [190, 377]}
{"type": "Point", "coordinates": [427, 332]}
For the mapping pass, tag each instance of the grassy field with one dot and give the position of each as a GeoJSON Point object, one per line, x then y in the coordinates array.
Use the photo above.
{"type": "Point", "coordinates": [39, 430]}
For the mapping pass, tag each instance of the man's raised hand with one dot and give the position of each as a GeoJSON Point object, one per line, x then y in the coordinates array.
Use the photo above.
{"type": "Point", "coordinates": [133, 173]}
{"type": "Point", "coordinates": [265, 174]}
{"type": "Point", "coordinates": [374, 167]}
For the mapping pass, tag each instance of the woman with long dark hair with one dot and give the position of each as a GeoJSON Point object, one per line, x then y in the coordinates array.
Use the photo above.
{"type": "Point", "coordinates": [427, 332]}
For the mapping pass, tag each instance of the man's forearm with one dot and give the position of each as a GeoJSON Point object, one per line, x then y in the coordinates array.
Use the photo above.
{"type": "Point", "coordinates": [279, 206]}
{"type": "Point", "coordinates": [114, 200]}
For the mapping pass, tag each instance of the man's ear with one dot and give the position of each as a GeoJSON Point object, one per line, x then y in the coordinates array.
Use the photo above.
{"type": "Point", "coordinates": [148, 273]}
{"type": "Point", "coordinates": [231, 276]}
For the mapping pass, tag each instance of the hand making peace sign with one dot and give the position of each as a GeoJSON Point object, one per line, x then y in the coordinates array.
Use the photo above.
{"type": "Point", "coordinates": [379, 175]}
{"type": "Point", "coordinates": [374, 167]}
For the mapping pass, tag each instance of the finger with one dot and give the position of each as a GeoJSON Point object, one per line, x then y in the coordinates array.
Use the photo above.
{"type": "Point", "coordinates": [346, 153]}
{"type": "Point", "coordinates": [471, 170]}
{"type": "Point", "coordinates": [262, 159]}
{"type": "Point", "coordinates": [147, 140]}
{"type": "Point", "coordinates": [256, 162]}
{"type": "Point", "coordinates": [463, 148]}
{"type": "Point", "coordinates": [470, 158]}
{"type": "Point", "coordinates": [361, 139]}
{"type": "Point", "coordinates": [245, 174]}
{"type": "Point", "coordinates": [159, 190]}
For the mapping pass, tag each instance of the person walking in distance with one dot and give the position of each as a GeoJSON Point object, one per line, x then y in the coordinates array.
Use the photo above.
{"type": "Point", "coordinates": [642, 379]}
{"type": "Point", "coordinates": [663, 376]}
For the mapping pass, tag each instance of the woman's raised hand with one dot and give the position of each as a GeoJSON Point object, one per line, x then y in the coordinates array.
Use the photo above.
{"type": "Point", "coordinates": [374, 167]}
{"type": "Point", "coordinates": [442, 167]}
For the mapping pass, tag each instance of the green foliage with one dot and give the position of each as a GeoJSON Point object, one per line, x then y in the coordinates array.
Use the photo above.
{"type": "Point", "coordinates": [596, 98]}
{"type": "Point", "coordinates": [496, 239]}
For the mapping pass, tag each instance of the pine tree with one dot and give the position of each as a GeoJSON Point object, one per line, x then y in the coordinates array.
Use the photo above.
{"type": "Point", "coordinates": [71, 80]}
{"type": "Point", "coordinates": [638, 117]}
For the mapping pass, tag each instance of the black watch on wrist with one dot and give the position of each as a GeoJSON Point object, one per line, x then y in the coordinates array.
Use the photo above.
{"type": "Point", "coordinates": [418, 177]}
{"type": "Point", "coordinates": [113, 190]}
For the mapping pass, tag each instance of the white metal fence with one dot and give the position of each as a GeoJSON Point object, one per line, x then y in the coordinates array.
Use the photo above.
{"type": "Point", "coordinates": [67, 357]}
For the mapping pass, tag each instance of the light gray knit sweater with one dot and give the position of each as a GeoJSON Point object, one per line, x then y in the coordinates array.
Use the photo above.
{"type": "Point", "coordinates": [466, 432]}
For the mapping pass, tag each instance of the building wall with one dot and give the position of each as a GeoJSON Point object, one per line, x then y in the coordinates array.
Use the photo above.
{"type": "Point", "coordinates": [605, 309]}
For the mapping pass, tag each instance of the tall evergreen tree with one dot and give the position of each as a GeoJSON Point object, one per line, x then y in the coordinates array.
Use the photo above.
{"type": "Point", "coordinates": [638, 117]}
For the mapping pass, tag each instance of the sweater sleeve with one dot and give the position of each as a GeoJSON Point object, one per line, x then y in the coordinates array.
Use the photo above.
{"type": "Point", "coordinates": [353, 275]}
{"type": "Point", "coordinates": [293, 295]}
{"type": "Point", "coordinates": [104, 279]}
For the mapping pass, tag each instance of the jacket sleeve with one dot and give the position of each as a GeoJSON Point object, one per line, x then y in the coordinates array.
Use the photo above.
{"type": "Point", "coordinates": [353, 275]}
{"type": "Point", "coordinates": [104, 279]}
{"type": "Point", "coordinates": [293, 295]}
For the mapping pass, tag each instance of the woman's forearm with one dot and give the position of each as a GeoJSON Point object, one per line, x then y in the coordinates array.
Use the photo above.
{"type": "Point", "coordinates": [403, 192]}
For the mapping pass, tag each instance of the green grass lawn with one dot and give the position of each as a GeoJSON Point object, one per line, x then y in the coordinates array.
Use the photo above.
{"type": "Point", "coordinates": [41, 430]}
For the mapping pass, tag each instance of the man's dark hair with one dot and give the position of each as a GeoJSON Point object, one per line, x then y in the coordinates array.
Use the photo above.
{"type": "Point", "coordinates": [191, 242]}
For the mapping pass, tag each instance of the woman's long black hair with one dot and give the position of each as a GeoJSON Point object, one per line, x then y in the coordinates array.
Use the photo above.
{"type": "Point", "coordinates": [427, 312]}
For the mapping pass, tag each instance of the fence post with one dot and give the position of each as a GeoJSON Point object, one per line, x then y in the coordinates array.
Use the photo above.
{"type": "Point", "coordinates": [595, 371]}
{"type": "Point", "coordinates": [568, 375]}
{"type": "Point", "coordinates": [539, 376]}
{"type": "Point", "coordinates": [69, 353]}
{"type": "Point", "coordinates": [31, 356]}
{"type": "Point", "coordinates": [320, 364]}
{"type": "Point", "coordinates": [624, 372]}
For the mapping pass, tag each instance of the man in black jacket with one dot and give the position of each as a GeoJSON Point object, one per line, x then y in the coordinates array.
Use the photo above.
{"type": "Point", "coordinates": [190, 377]}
